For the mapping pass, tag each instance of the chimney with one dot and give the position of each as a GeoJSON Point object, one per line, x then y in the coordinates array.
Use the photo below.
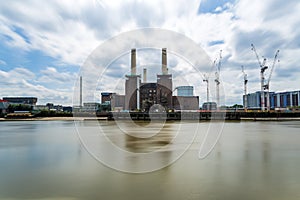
{"type": "Point", "coordinates": [133, 62]}
{"type": "Point", "coordinates": [80, 95]}
{"type": "Point", "coordinates": [164, 61]}
{"type": "Point", "coordinates": [145, 75]}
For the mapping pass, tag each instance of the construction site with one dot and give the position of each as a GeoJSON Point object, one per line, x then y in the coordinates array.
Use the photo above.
{"type": "Point", "coordinates": [144, 100]}
{"type": "Point", "coordinates": [265, 100]}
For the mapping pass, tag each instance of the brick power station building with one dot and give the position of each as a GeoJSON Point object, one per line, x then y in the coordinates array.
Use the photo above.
{"type": "Point", "coordinates": [142, 95]}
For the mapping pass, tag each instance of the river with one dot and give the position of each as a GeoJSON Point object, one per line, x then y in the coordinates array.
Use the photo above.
{"type": "Point", "coordinates": [47, 160]}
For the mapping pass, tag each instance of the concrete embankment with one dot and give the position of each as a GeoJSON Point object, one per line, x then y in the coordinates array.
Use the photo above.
{"type": "Point", "coordinates": [271, 119]}
{"type": "Point", "coordinates": [214, 115]}
{"type": "Point", "coordinates": [201, 116]}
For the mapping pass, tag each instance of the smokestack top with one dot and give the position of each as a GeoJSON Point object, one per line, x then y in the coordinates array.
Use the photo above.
{"type": "Point", "coordinates": [164, 61]}
{"type": "Point", "coordinates": [145, 75]}
{"type": "Point", "coordinates": [80, 92]}
{"type": "Point", "coordinates": [133, 61]}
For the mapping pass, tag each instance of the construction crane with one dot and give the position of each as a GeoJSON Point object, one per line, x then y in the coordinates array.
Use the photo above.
{"type": "Point", "coordinates": [217, 79]}
{"type": "Point", "coordinates": [245, 89]}
{"type": "Point", "coordinates": [205, 79]}
{"type": "Point", "coordinates": [267, 85]}
{"type": "Point", "coordinates": [263, 68]}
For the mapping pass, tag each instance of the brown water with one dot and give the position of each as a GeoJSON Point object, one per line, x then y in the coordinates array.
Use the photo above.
{"type": "Point", "coordinates": [252, 160]}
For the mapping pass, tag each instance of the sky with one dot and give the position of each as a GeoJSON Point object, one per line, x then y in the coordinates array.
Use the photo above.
{"type": "Point", "coordinates": [45, 45]}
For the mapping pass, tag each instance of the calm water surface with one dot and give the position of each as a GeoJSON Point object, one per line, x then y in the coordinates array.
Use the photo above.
{"type": "Point", "coordinates": [252, 160]}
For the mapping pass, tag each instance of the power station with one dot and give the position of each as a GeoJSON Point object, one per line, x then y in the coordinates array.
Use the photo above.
{"type": "Point", "coordinates": [142, 95]}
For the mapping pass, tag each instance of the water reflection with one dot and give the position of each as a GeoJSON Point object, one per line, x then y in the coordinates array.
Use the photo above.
{"type": "Point", "coordinates": [144, 145]}
{"type": "Point", "coordinates": [251, 161]}
{"type": "Point", "coordinates": [112, 146]}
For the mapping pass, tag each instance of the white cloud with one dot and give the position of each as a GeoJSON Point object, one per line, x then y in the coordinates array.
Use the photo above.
{"type": "Point", "coordinates": [22, 82]}
{"type": "Point", "coordinates": [70, 31]}
{"type": "Point", "coordinates": [16, 75]}
{"type": "Point", "coordinates": [2, 62]}
{"type": "Point", "coordinates": [48, 29]}
{"type": "Point", "coordinates": [51, 75]}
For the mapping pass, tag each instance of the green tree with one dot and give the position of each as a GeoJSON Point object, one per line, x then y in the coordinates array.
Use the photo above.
{"type": "Point", "coordinates": [18, 107]}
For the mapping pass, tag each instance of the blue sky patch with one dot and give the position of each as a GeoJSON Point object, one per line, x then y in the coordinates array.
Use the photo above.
{"type": "Point", "coordinates": [210, 6]}
{"type": "Point", "coordinates": [216, 42]}
{"type": "Point", "coordinates": [21, 33]}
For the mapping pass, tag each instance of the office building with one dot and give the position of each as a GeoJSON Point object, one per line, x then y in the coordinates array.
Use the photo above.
{"type": "Point", "coordinates": [277, 99]}
{"type": "Point", "coordinates": [21, 100]}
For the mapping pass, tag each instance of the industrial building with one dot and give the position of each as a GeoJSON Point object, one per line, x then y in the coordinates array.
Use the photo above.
{"type": "Point", "coordinates": [3, 106]}
{"type": "Point", "coordinates": [90, 107]}
{"type": "Point", "coordinates": [106, 96]}
{"type": "Point", "coordinates": [185, 91]}
{"type": "Point", "coordinates": [277, 100]}
{"type": "Point", "coordinates": [186, 103]}
{"type": "Point", "coordinates": [117, 102]}
{"type": "Point", "coordinates": [141, 94]}
{"type": "Point", "coordinates": [21, 100]}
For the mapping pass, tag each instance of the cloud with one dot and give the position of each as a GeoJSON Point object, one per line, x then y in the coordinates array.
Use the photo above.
{"type": "Point", "coordinates": [70, 31]}
{"type": "Point", "coordinates": [46, 30]}
{"type": "Point", "coordinates": [51, 75]}
{"type": "Point", "coordinates": [16, 75]}
{"type": "Point", "coordinates": [22, 82]}
{"type": "Point", "coordinates": [2, 62]}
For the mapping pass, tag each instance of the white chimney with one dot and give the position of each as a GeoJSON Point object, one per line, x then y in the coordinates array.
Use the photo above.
{"type": "Point", "coordinates": [133, 62]}
{"type": "Point", "coordinates": [164, 61]}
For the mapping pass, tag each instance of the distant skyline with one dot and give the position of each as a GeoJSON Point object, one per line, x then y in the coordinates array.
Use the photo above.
{"type": "Point", "coordinates": [43, 44]}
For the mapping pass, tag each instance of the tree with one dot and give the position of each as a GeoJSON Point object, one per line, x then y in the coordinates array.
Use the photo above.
{"type": "Point", "coordinates": [18, 107]}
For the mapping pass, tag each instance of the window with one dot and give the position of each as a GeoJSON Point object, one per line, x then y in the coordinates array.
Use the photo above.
{"type": "Point", "coordinates": [281, 100]}
{"type": "Point", "coordinates": [295, 99]}
{"type": "Point", "coordinates": [288, 103]}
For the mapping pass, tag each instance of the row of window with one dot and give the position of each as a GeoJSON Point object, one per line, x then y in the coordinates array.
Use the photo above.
{"type": "Point", "coordinates": [288, 102]}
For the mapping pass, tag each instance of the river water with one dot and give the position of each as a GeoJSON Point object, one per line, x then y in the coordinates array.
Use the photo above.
{"type": "Point", "coordinates": [251, 160]}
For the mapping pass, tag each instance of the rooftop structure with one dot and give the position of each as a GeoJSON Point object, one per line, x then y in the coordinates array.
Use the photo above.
{"type": "Point", "coordinates": [21, 100]}
{"type": "Point", "coordinates": [185, 91]}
